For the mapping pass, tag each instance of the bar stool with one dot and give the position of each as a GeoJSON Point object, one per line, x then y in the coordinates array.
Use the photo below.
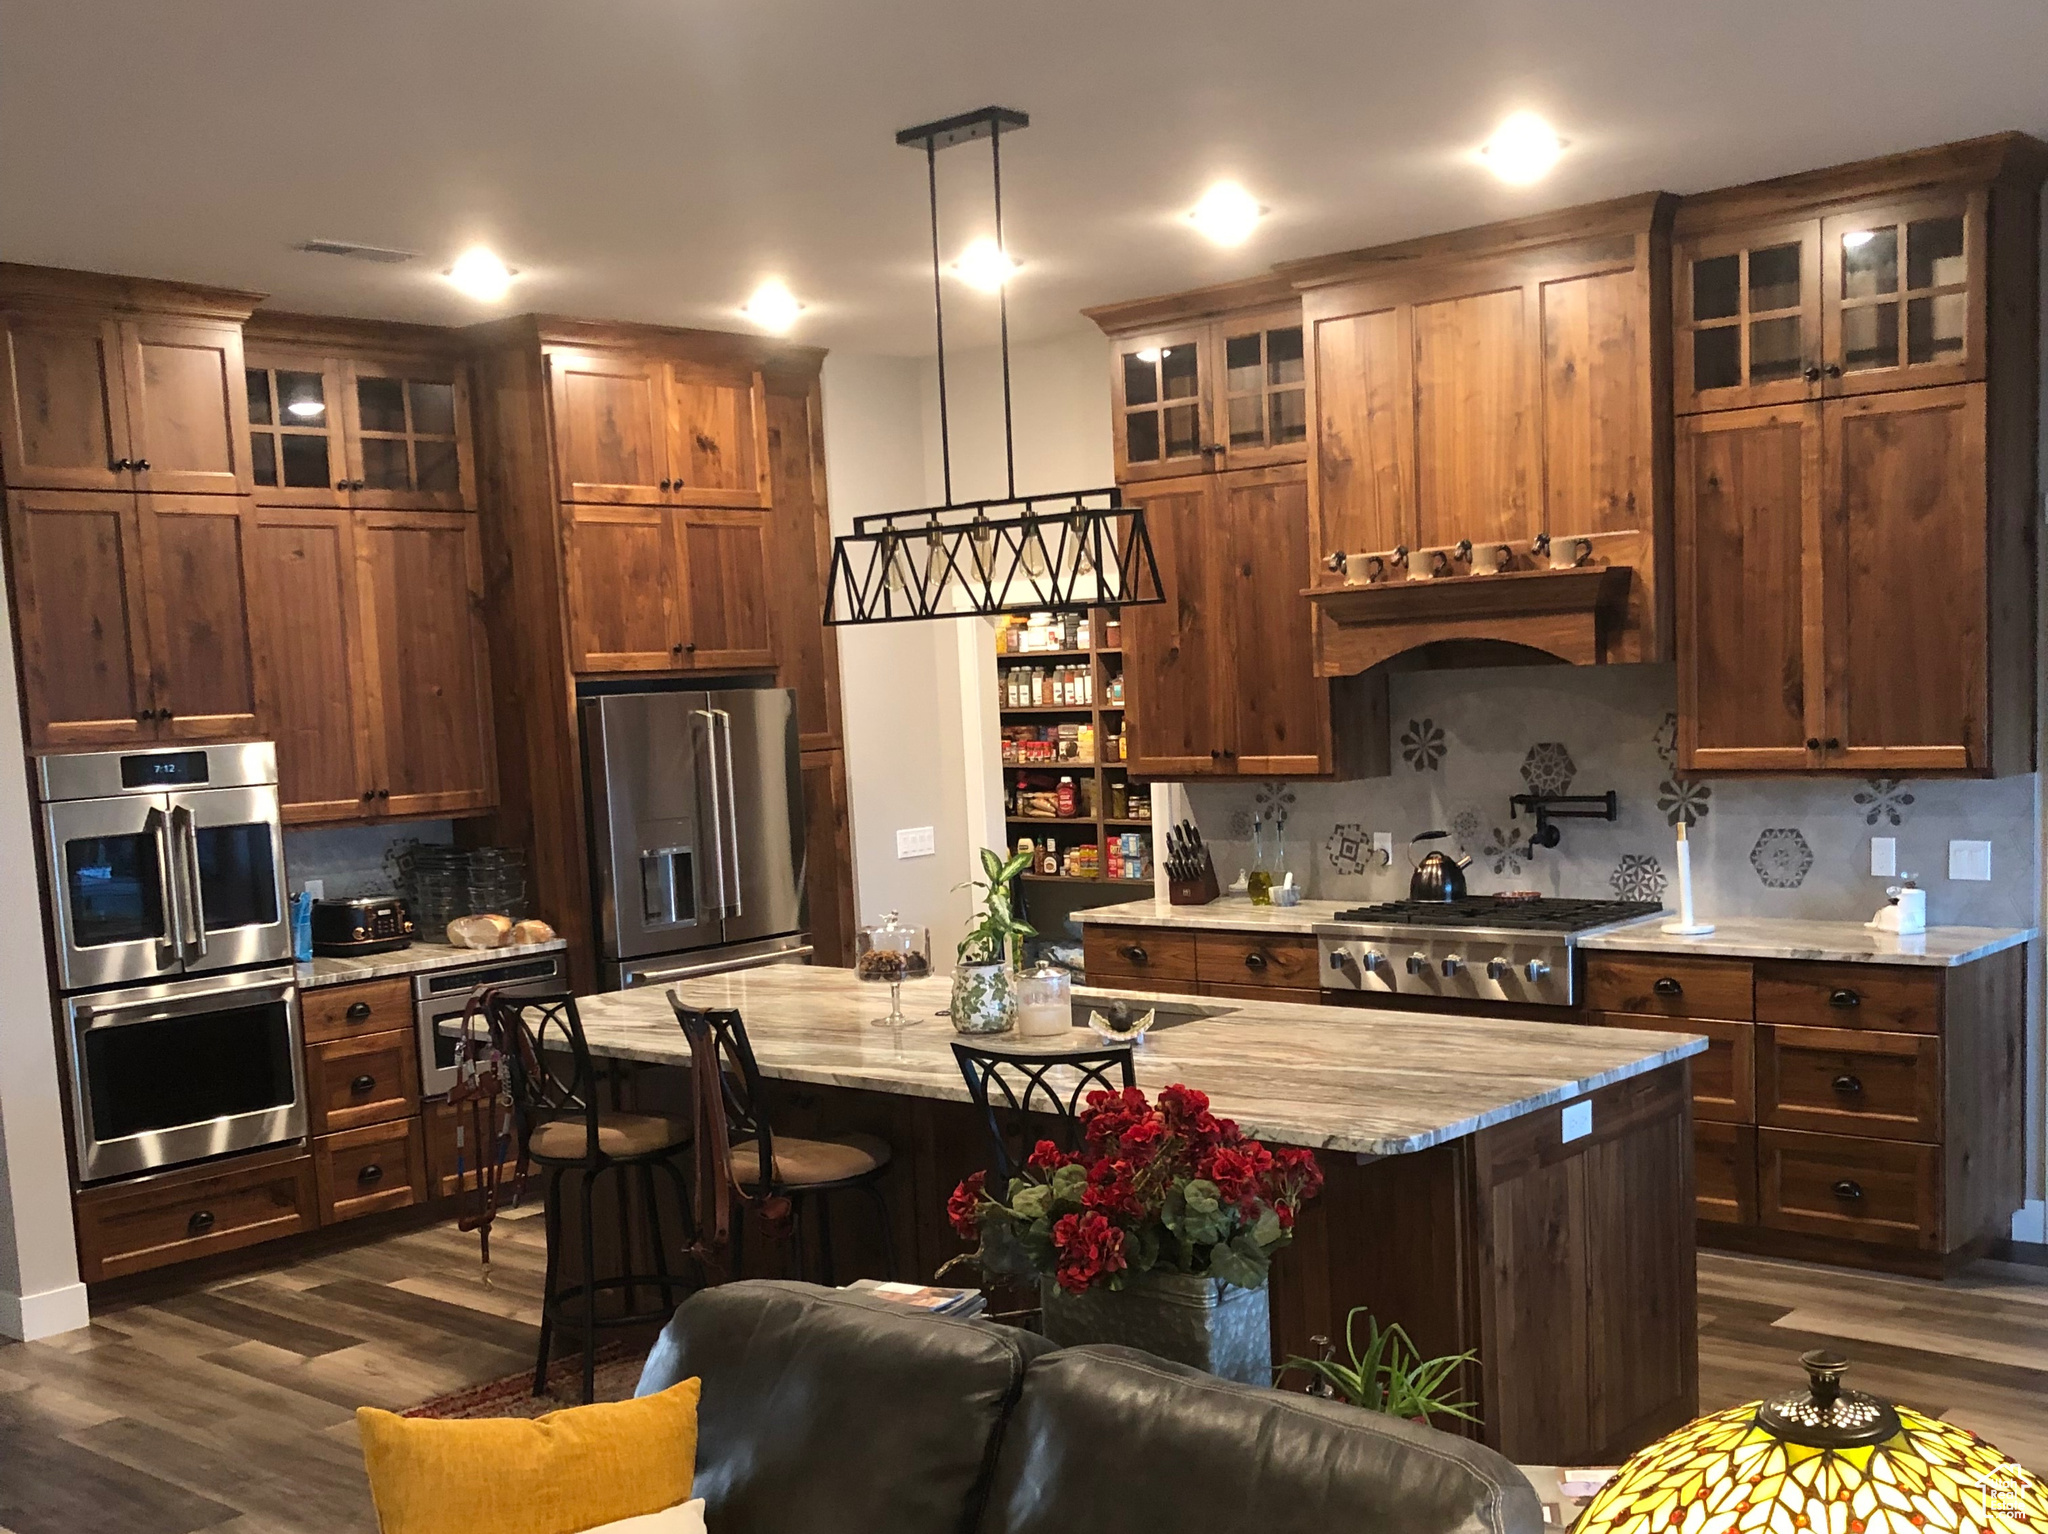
{"type": "Point", "coordinates": [563, 1131]}
{"type": "Point", "coordinates": [770, 1171]}
{"type": "Point", "coordinates": [1026, 1089]}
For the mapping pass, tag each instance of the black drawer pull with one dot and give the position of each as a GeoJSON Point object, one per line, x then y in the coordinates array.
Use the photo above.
{"type": "Point", "coordinates": [1844, 998]}
{"type": "Point", "coordinates": [362, 1086]}
{"type": "Point", "coordinates": [200, 1223]}
{"type": "Point", "coordinates": [1666, 986]}
{"type": "Point", "coordinates": [1847, 1085]}
{"type": "Point", "coordinates": [1134, 953]}
{"type": "Point", "coordinates": [1848, 1188]}
{"type": "Point", "coordinates": [370, 1175]}
{"type": "Point", "coordinates": [1254, 961]}
{"type": "Point", "coordinates": [357, 1011]}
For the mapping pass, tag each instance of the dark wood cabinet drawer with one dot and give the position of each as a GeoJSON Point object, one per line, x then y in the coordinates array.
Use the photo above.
{"type": "Point", "coordinates": [174, 1216]}
{"type": "Point", "coordinates": [1134, 955]}
{"type": "Point", "coordinates": [363, 1171]}
{"type": "Point", "coordinates": [1883, 1084]}
{"type": "Point", "coordinates": [1663, 987]}
{"type": "Point", "coordinates": [1888, 998]}
{"type": "Point", "coordinates": [1244, 958]}
{"type": "Point", "coordinates": [1724, 1173]}
{"type": "Point", "coordinates": [353, 1082]}
{"type": "Point", "coordinates": [1724, 1078]}
{"type": "Point", "coordinates": [351, 1011]}
{"type": "Point", "coordinates": [1883, 1191]}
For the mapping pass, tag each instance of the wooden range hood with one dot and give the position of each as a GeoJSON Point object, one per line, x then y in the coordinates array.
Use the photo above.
{"type": "Point", "coordinates": [1471, 395]}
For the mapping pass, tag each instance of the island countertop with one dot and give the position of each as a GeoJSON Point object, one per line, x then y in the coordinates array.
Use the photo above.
{"type": "Point", "coordinates": [1351, 1079]}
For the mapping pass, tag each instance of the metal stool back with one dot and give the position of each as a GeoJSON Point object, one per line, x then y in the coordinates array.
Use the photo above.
{"type": "Point", "coordinates": [548, 1063]}
{"type": "Point", "coordinates": [1026, 1085]}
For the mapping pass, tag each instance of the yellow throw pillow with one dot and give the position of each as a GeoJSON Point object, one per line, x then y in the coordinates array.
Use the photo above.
{"type": "Point", "coordinates": [568, 1471]}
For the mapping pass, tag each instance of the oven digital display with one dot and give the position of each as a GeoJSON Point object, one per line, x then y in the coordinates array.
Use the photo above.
{"type": "Point", "coordinates": [163, 769]}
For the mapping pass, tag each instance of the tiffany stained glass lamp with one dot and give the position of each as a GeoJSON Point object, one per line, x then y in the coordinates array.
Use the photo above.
{"type": "Point", "coordinates": [1823, 1460]}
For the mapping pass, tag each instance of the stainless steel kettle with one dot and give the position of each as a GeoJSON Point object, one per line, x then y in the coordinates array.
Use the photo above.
{"type": "Point", "coordinates": [1437, 876]}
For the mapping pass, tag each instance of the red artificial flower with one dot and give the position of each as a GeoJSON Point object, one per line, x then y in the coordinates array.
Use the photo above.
{"type": "Point", "coordinates": [1142, 1134]}
{"type": "Point", "coordinates": [964, 1207]}
{"type": "Point", "coordinates": [1110, 1189]}
{"type": "Point", "coordinates": [1088, 1247]}
{"type": "Point", "coordinates": [1045, 1156]}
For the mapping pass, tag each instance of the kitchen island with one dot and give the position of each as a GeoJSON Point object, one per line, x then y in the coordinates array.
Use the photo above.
{"type": "Point", "coordinates": [1515, 1188]}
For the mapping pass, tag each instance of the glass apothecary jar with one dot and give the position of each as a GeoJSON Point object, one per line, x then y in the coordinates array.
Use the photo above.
{"type": "Point", "coordinates": [890, 952]}
{"type": "Point", "coordinates": [1045, 1002]}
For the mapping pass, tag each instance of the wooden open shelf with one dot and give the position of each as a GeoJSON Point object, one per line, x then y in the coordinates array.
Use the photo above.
{"type": "Point", "coordinates": [1570, 613]}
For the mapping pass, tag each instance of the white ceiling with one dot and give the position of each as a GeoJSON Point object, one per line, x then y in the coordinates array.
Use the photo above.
{"type": "Point", "coordinates": [643, 160]}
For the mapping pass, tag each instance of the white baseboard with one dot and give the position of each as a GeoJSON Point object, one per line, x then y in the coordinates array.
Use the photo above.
{"type": "Point", "coordinates": [2031, 1223]}
{"type": "Point", "coordinates": [31, 1317]}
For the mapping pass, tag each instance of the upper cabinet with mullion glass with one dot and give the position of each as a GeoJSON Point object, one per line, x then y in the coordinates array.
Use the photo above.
{"type": "Point", "coordinates": [409, 437]}
{"type": "Point", "coordinates": [1747, 326]}
{"type": "Point", "coordinates": [1263, 399]}
{"type": "Point", "coordinates": [1160, 385]}
{"type": "Point", "coordinates": [1903, 294]}
{"type": "Point", "coordinates": [297, 452]}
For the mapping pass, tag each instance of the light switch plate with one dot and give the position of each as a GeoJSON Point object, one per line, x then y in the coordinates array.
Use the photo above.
{"type": "Point", "coordinates": [1969, 860]}
{"type": "Point", "coordinates": [1382, 848]}
{"type": "Point", "coordinates": [1884, 857]}
{"type": "Point", "coordinates": [916, 842]}
{"type": "Point", "coordinates": [1578, 1120]}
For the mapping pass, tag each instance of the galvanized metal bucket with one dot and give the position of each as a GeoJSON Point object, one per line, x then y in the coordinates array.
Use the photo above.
{"type": "Point", "coordinates": [1203, 1322]}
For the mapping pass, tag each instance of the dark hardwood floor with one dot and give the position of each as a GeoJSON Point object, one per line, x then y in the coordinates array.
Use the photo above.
{"type": "Point", "coordinates": [228, 1404]}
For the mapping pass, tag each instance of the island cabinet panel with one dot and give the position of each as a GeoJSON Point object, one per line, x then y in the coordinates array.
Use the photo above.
{"type": "Point", "coordinates": [1724, 1170]}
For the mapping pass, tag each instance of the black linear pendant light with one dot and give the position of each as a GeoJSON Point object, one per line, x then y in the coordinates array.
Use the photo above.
{"type": "Point", "coordinates": [1062, 552]}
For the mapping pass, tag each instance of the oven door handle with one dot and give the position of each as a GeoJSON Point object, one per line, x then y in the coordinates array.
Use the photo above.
{"type": "Point", "coordinates": [173, 943]}
{"type": "Point", "coordinates": [91, 1008]}
{"type": "Point", "coordinates": [191, 865]}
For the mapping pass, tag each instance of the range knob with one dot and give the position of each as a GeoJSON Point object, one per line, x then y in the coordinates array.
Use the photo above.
{"type": "Point", "coordinates": [1452, 965]}
{"type": "Point", "coordinates": [1371, 960]}
{"type": "Point", "coordinates": [1497, 968]}
{"type": "Point", "coordinates": [1418, 963]}
{"type": "Point", "coordinates": [1536, 969]}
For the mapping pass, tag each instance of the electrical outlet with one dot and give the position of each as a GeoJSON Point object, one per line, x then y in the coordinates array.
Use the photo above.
{"type": "Point", "coordinates": [1382, 848]}
{"type": "Point", "coordinates": [1884, 857]}
{"type": "Point", "coordinates": [1969, 860]}
{"type": "Point", "coordinates": [916, 842]}
{"type": "Point", "coordinates": [1578, 1120]}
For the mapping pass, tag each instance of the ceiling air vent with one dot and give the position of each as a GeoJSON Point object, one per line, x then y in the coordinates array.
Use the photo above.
{"type": "Point", "coordinates": [355, 252]}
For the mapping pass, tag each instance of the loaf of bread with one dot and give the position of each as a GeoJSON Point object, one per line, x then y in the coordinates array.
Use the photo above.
{"type": "Point", "coordinates": [532, 930]}
{"type": "Point", "coordinates": [479, 931]}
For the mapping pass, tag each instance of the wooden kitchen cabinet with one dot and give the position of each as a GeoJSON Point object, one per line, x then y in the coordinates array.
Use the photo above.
{"type": "Point", "coordinates": [1221, 674]}
{"type": "Point", "coordinates": [724, 562]}
{"type": "Point", "coordinates": [370, 625]}
{"type": "Point", "coordinates": [654, 589]}
{"type": "Point", "coordinates": [133, 617]}
{"type": "Point", "coordinates": [717, 435]}
{"type": "Point", "coordinates": [643, 430]}
{"type": "Point", "coordinates": [828, 857]}
{"type": "Point", "coordinates": [800, 554]}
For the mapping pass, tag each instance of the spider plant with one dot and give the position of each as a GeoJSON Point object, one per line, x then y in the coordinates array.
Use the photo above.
{"type": "Point", "coordinates": [1388, 1375]}
{"type": "Point", "coordinates": [991, 939]}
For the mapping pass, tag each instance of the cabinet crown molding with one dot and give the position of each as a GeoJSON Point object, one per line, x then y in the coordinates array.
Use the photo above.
{"type": "Point", "coordinates": [387, 338]}
{"type": "Point", "coordinates": [57, 286]}
{"type": "Point", "coordinates": [1138, 314]}
{"type": "Point", "coordinates": [782, 359]}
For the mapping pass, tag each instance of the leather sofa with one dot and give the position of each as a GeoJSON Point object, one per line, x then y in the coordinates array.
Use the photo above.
{"type": "Point", "coordinates": [831, 1412]}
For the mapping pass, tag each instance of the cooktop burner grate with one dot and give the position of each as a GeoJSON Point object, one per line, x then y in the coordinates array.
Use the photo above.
{"type": "Point", "coordinates": [1542, 915]}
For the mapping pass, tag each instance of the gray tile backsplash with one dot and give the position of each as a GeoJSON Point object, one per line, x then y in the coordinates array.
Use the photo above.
{"type": "Point", "coordinates": [356, 860]}
{"type": "Point", "coordinates": [1463, 741]}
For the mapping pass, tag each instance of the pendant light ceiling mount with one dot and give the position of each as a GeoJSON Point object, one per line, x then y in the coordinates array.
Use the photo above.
{"type": "Point", "coordinates": [1065, 551]}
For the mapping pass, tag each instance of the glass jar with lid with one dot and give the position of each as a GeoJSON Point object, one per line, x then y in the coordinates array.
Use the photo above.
{"type": "Point", "coordinates": [890, 952]}
{"type": "Point", "coordinates": [1045, 1002]}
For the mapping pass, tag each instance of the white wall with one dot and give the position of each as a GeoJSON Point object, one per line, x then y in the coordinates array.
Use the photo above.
{"type": "Point", "coordinates": [39, 1289]}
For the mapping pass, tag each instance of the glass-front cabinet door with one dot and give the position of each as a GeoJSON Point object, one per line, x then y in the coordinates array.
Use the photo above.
{"type": "Point", "coordinates": [296, 450]}
{"type": "Point", "coordinates": [1747, 318]}
{"type": "Point", "coordinates": [408, 444]}
{"type": "Point", "coordinates": [1161, 386]}
{"type": "Point", "coordinates": [1903, 295]}
{"type": "Point", "coordinates": [1263, 401]}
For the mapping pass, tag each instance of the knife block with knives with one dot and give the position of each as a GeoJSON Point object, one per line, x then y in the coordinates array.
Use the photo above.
{"type": "Point", "coordinates": [1190, 875]}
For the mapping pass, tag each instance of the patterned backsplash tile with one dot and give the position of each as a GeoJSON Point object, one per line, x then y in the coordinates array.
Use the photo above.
{"type": "Point", "coordinates": [1464, 741]}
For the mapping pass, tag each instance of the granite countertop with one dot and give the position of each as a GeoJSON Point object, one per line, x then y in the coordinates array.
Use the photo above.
{"type": "Point", "coordinates": [1348, 1079]}
{"type": "Point", "coordinates": [417, 959]}
{"type": "Point", "coordinates": [1838, 942]}
{"type": "Point", "coordinates": [1232, 913]}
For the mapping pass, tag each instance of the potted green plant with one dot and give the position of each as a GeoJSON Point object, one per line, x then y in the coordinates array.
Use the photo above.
{"type": "Point", "coordinates": [1389, 1374]}
{"type": "Point", "coordinates": [983, 999]}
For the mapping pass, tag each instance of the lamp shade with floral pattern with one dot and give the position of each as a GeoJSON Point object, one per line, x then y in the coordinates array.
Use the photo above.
{"type": "Point", "coordinates": [1821, 1461]}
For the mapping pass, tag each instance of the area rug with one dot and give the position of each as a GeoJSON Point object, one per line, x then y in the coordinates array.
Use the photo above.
{"type": "Point", "coordinates": [618, 1371]}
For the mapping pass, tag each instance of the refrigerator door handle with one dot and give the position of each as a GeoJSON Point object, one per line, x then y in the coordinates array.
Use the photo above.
{"type": "Point", "coordinates": [732, 806]}
{"type": "Point", "coordinates": [729, 966]}
{"type": "Point", "coordinates": [716, 906]}
{"type": "Point", "coordinates": [173, 942]}
{"type": "Point", "coordinates": [189, 859]}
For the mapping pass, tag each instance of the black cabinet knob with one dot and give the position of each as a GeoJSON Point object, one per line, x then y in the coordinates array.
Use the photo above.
{"type": "Point", "coordinates": [1833, 743]}
{"type": "Point", "coordinates": [1844, 998]}
{"type": "Point", "coordinates": [362, 1086]}
{"type": "Point", "coordinates": [383, 793]}
{"type": "Point", "coordinates": [200, 1223]}
{"type": "Point", "coordinates": [162, 714]}
{"type": "Point", "coordinates": [1666, 986]}
{"type": "Point", "coordinates": [355, 484]}
{"type": "Point", "coordinates": [1813, 742]}
{"type": "Point", "coordinates": [1848, 1085]}
{"type": "Point", "coordinates": [370, 1175]}
{"type": "Point", "coordinates": [1254, 961]}
{"type": "Point", "coordinates": [1849, 1189]}
{"type": "Point", "coordinates": [141, 466]}
{"type": "Point", "coordinates": [1833, 370]}
{"type": "Point", "coordinates": [369, 794]}
{"type": "Point", "coordinates": [357, 1011]}
{"type": "Point", "coordinates": [1135, 953]}
{"type": "Point", "coordinates": [690, 648]}
{"type": "Point", "coordinates": [121, 465]}
{"type": "Point", "coordinates": [1812, 374]}
{"type": "Point", "coordinates": [341, 484]}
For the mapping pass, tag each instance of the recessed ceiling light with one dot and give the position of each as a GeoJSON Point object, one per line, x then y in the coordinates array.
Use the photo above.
{"type": "Point", "coordinates": [1227, 213]}
{"type": "Point", "coordinates": [985, 265]}
{"type": "Point", "coordinates": [481, 275]}
{"type": "Point", "coordinates": [1856, 239]}
{"type": "Point", "coordinates": [1147, 354]}
{"type": "Point", "coordinates": [1522, 149]}
{"type": "Point", "coordinates": [772, 306]}
{"type": "Point", "coordinates": [306, 408]}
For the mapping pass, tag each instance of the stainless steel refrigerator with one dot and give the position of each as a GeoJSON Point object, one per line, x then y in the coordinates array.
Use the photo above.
{"type": "Point", "coordinates": [697, 832]}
